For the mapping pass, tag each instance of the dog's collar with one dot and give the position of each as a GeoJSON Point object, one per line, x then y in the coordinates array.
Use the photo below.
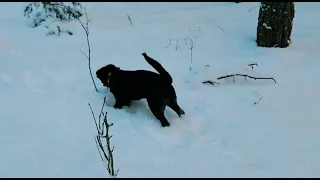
{"type": "Point", "coordinates": [108, 80]}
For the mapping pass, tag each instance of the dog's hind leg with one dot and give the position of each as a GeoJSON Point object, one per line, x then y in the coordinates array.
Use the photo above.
{"type": "Point", "coordinates": [172, 103]}
{"type": "Point", "coordinates": [157, 107]}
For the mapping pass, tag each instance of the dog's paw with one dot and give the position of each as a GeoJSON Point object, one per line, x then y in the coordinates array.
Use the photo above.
{"type": "Point", "coordinates": [117, 106]}
{"type": "Point", "coordinates": [128, 104]}
{"type": "Point", "coordinates": [165, 124]}
{"type": "Point", "coordinates": [144, 54]}
{"type": "Point", "coordinates": [181, 113]}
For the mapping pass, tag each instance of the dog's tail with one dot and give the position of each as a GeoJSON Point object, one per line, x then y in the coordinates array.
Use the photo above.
{"type": "Point", "coordinates": [157, 66]}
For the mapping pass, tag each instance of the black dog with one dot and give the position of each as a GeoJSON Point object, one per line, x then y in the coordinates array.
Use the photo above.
{"type": "Point", "coordinates": [135, 85]}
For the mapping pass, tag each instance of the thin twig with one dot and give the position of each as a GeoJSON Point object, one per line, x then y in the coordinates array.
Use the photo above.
{"type": "Point", "coordinates": [86, 29]}
{"type": "Point", "coordinates": [177, 46]}
{"type": "Point", "coordinates": [94, 118]}
{"type": "Point", "coordinates": [168, 44]}
{"type": "Point", "coordinates": [98, 148]}
{"type": "Point", "coordinates": [220, 28]}
{"type": "Point", "coordinates": [108, 151]}
{"type": "Point", "coordinates": [101, 147]}
{"type": "Point", "coordinates": [195, 43]}
{"type": "Point", "coordinates": [84, 54]}
{"type": "Point", "coordinates": [116, 174]}
{"type": "Point", "coordinates": [258, 101]}
{"type": "Point", "coordinates": [244, 75]}
{"type": "Point", "coordinates": [111, 171]}
{"type": "Point", "coordinates": [192, 45]}
{"type": "Point", "coordinates": [129, 18]}
{"type": "Point", "coordinates": [210, 82]}
{"type": "Point", "coordinates": [253, 8]}
{"type": "Point", "coordinates": [253, 64]}
{"type": "Point", "coordinates": [101, 112]}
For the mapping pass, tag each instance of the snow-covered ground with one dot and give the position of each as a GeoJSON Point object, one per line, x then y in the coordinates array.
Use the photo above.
{"type": "Point", "coordinates": [47, 130]}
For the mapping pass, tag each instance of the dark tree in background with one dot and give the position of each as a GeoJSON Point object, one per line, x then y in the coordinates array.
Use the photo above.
{"type": "Point", "coordinates": [275, 24]}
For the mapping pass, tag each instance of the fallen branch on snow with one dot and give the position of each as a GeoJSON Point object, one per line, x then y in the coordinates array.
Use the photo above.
{"type": "Point", "coordinates": [210, 82]}
{"type": "Point", "coordinates": [245, 76]}
{"type": "Point", "coordinates": [253, 64]}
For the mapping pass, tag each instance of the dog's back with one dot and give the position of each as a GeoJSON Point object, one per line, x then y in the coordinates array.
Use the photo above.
{"type": "Point", "coordinates": [141, 84]}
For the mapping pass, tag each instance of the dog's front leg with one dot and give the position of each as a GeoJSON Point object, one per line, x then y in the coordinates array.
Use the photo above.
{"type": "Point", "coordinates": [120, 101]}
{"type": "Point", "coordinates": [118, 105]}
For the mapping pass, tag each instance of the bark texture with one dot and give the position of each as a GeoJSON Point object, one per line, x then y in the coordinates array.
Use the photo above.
{"type": "Point", "coordinates": [275, 24]}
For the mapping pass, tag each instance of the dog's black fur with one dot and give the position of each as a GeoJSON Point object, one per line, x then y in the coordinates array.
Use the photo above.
{"type": "Point", "coordinates": [135, 85]}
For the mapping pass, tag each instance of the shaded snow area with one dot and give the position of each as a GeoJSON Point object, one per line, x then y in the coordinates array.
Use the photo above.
{"type": "Point", "coordinates": [246, 128]}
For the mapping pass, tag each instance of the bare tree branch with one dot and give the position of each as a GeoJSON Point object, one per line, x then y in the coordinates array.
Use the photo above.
{"type": "Point", "coordinates": [101, 112]}
{"type": "Point", "coordinates": [101, 148]}
{"type": "Point", "coordinates": [98, 148]}
{"type": "Point", "coordinates": [86, 29]}
{"type": "Point", "coordinates": [106, 150]}
{"type": "Point", "coordinates": [244, 75]}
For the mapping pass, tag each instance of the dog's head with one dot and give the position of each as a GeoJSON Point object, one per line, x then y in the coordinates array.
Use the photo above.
{"type": "Point", "coordinates": [105, 72]}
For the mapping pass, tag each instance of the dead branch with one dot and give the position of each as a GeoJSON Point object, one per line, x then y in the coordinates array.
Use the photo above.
{"type": "Point", "coordinates": [258, 101]}
{"type": "Point", "coordinates": [245, 76]}
{"type": "Point", "coordinates": [98, 148]}
{"type": "Point", "coordinates": [253, 64]}
{"type": "Point", "coordinates": [253, 8]}
{"type": "Point", "coordinates": [177, 46]}
{"type": "Point", "coordinates": [220, 28]}
{"type": "Point", "coordinates": [94, 118]}
{"type": "Point", "coordinates": [168, 44]}
{"type": "Point", "coordinates": [192, 45]}
{"type": "Point", "coordinates": [129, 18]}
{"type": "Point", "coordinates": [88, 56]}
{"type": "Point", "coordinates": [103, 132]}
{"type": "Point", "coordinates": [210, 82]}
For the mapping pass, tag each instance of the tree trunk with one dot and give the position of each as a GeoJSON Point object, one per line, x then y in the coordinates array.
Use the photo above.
{"type": "Point", "coordinates": [275, 24]}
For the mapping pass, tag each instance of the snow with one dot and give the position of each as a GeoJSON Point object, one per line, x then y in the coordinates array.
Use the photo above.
{"type": "Point", "coordinates": [47, 130]}
{"type": "Point", "coordinates": [266, 26]}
